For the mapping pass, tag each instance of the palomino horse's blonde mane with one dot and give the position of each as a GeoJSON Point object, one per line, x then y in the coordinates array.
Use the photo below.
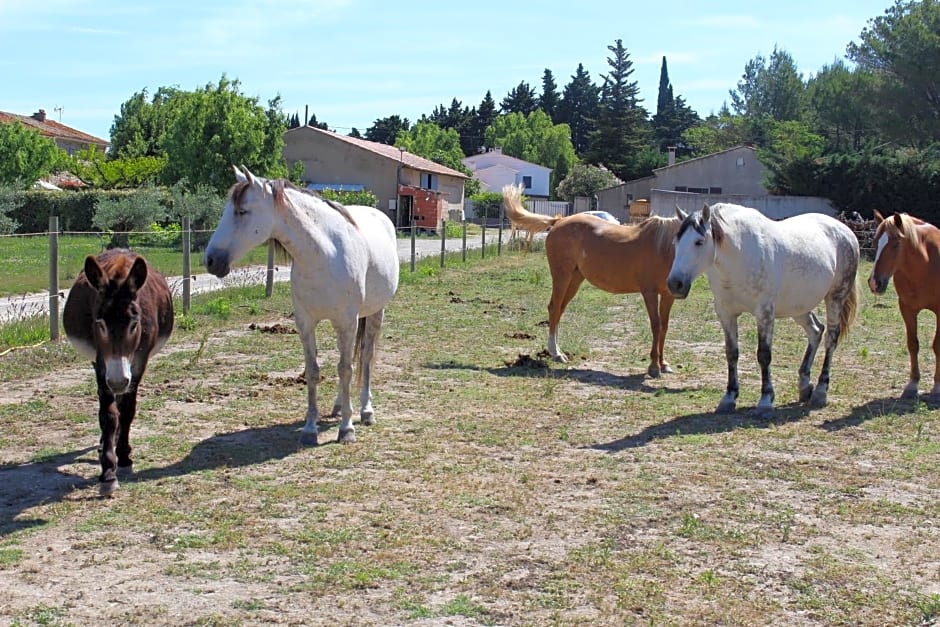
{"type": "Point", "coordinates": [906, 230]}
{"type": "Point", "coordinates": [664, 230]}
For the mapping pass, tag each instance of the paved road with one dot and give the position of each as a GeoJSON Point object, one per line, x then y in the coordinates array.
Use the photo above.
{"type": "Point", "coordinates": [17, 307]}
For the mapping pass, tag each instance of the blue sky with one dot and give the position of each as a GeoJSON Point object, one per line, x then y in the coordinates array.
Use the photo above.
{"type": "Point", "coordinates": [353, 61]}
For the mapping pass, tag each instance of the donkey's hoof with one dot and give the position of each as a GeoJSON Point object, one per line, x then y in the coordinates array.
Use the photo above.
{"type": "Point", "coordinates": [346, 436]}
{"type": "Point", "coordinates": [308, 438]}
{"type": "Point", "coordinates": [367, 418]}
{"type": "Point", "coordinates": [107, 488]}
{"type": "Point", "coordinates": [806, 393]}
{"type": "Point", "coordinates": [125, 471]}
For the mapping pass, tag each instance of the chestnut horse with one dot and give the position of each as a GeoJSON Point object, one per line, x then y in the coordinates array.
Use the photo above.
{"type": "Point", "coordinates": [909, 250]}
{"type": "Point", "coordinates": [620, 259]}
{"type": "Point", "coordinates": [118, 313]}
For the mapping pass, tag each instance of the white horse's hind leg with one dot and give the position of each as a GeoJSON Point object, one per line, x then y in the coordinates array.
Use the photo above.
{"type": "Point", "coordinates": [370, 336]}
{"type": "Point", "coordinates": [346, 343]}
{"type": "Point", "coordinates": [813, 329]}
{"type": "Point", "coordinates": [307, 328]}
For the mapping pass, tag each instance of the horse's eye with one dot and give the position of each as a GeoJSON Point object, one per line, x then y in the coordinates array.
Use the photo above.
{"type": "Point", "coordinates": [239, 211]}
{"type": "Point", "coordinates": [699, 242]}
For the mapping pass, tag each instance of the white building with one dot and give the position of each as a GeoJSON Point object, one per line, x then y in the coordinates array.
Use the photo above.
{"type": "Point", "coordinates": [495, 170]}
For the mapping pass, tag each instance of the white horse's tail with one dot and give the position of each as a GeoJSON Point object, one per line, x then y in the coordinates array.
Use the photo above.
{"type": "Point", "coordinates": [849, 310]}
{"type": "Point", "coordinates": [357, 355]}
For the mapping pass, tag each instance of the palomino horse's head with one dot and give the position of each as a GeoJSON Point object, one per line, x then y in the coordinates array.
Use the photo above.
{"type": "Point", "coordinates": [695, 250]}
{"type": "Point", "coordinates": [246, 222]}
{"type": "Point", "coordinates": [117, 325]}
{"type": "Point", "coordinates": [891, 236]}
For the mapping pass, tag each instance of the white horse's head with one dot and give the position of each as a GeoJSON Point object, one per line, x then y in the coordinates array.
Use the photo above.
{"type": "Point", "coordinates": [695, 250]}
{"type": "Point", "coordinates": [246, 222]}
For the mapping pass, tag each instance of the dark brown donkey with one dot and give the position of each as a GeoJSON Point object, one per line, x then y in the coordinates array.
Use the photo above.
{"type": "Point", "coordinates": [119, 313]}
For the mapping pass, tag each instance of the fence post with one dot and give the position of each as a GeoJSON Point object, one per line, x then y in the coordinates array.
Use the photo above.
{"type": "Point", "coordinates": [483, 239]}
{"type": "Point", "coordinates": [269, 275]}
{"type": "Point", "coordinates": [443, 240]}
{"type": "Point", "coordinates": [54, 278]}
{"type": "Point", "coordinates": [187, 269]}
{"type": "Point", "coordinates": [499, 238]}
{"type": "Point", "coordinates": [463, 247]}
{"type": "Point", "coordinates": [412, 244]}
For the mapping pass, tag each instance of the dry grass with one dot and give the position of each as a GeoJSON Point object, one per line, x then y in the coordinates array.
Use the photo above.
{"type": "Point", "coordinates": [494, 489]}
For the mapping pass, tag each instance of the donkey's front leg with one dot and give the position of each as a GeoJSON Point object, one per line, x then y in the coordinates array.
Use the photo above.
{"type": "Point", "coordinates": [729, 401]}
{"type": "Point", "coordinates": [108, 417]}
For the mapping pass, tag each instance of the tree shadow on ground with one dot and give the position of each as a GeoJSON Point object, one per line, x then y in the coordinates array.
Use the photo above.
{"type": "Point", "coordinates": [31, 484]}
{"type": "Point", "coordinates": [638, 382]}
{"type": "Point", "coordinates": [704, 423]}
{"type": "Point", "coordinates": [882, 407]}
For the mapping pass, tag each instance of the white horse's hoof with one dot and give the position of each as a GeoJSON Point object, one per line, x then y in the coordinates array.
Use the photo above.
{"type": "Point", "coordinates": [107, 488]}
{"type": "Point", "coordinates": [346, 436]}
{"type": "Point", "coordinates": [763, 413]}
{"type": "Point", "coordinates": [560, 358]}
{"type": "Point", "coordinates": [806, 393]}
{"type": "Point", "coordinates": [308, 438]}
{"type": "Point", "coordinates": [336, 411]}
{"type": "Point", "coordinates": [819, 399]}
{"type": "Point", "coordinates": [726, 407]}
{"type": "Point", "coordinates": [126, 471]}
{"type": "Point", "coordinates": [367, 418]}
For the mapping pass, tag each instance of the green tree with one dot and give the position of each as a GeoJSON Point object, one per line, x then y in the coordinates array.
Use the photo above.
{"type": "Point", "coordinates": [134, 211]}
{"type": "Point", "coordinates": [217, 127]}
{"type": "Point", "coordinates": [520, 99]}
{"type": "Point", "coordinates": [585, 180]}
{"type": "Point", "coordinates": [93, 168]}
{"type": "Point", "coordinates": [7, 204]}
{"type": "Point", "coordinates": [486, 113]}
{"type": "Point", "coordinates": [203, 206]}
{"type": "Point", "coordinates": [458, 118]}
{"type": "Point", "coordinates": [578, 108]}
{"type": "Point", "coordinates": [25, 155]}
{"type": "Point", "coordinates": [139, 130]}
{"type": "Point", "coordinates": [902, 47]}
{"type": "Point", "coordinates": [673, 117]}
{"type": "Point", "coordinates": [719, 131]}
{"type": "Point", "coordinates": [622, 130]}
{"type": "Point", "coordinates": [790, 145]}
{"type": "Point", "coordinates": [535, 139]}
{"type": "Point", "coordinates": [840, 106]}
{"type": "Point", "coordinates": [385, 130]}
{"type": "Point", "coordinates": [769, 90]}
{"type": "Point", "coordinates": [549, 99]}
{"type": "Point", "coordinates": [428, 140]}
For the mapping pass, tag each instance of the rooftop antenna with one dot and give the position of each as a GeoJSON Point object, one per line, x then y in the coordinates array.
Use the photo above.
{"type": "Point", "coordinates": [59, 110]}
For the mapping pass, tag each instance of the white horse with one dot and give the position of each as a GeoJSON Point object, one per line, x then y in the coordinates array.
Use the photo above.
{"type": "Point", "coordinates": [771, 270]}
{"type": "Point", "coordinates": [344, 269]}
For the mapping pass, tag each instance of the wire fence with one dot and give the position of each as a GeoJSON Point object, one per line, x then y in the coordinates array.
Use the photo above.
{"type": "Point", "coordinates": [175, 251]}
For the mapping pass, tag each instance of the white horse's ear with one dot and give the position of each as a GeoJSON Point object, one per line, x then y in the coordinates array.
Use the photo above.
{"type": "Point", "coordinates": [706, 213]}
{"type": "Point", "coordinates": [239, 175]}
{"type": "Point", "coordinates": [682, 215]}
{"type": "Point", "coordinates": [878, 217]}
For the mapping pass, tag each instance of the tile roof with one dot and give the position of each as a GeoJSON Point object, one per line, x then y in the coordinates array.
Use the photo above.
{"type": "Point", "coordinates": [392, 152]}
{"type": "Point", "coordinates": [50, 128]}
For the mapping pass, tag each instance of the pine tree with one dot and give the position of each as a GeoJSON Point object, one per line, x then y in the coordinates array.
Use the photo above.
{"type": "Point", "coordinates": [578, 108]}
{"type": "Point", "coordinates": [548, 101]}
{"type": "Point", "coordinates": [485, 115]}
{"type": "Point", "coordinates": [622, 127]}
{"type": "Point", "coordinates": [520, 99]}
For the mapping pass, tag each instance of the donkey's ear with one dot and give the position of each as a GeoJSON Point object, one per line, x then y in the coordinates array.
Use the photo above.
{"type": "Point", "coordinates": [94, 274]}
{"type": "Point", "coordinates": [706, 213]}
{"type": "Point", "coordinates": [878, 217]}
{"type": "Point", "coordinates": [137, 275]}
{"type": "Point", "coordinates": [682, 215]}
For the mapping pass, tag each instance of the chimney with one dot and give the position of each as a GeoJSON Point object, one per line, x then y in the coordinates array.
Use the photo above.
{"type": "Point", "coordinates": [40, 115]}
{"type": "Point", "coordinates": [672, 155]}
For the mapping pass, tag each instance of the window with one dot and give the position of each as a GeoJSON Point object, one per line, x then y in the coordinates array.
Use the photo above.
{"type": "Point", "coordinates": [714, 190]}
{"type": "Point", "coordinates": [428, 180]}
{"type": "Point", "coordinates": [527, 182]}
{"type": "Point", "coordinates": [681, 188]}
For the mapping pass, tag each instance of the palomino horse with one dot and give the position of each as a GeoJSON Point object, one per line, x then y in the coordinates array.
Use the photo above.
{"type": "Point", "coordinates": [344, 269]}
{"type": "Point", "coordinates": [521, 219]}
{"type": "Point", "coordinates": [909, 250]}
{"type": "Point", "coordinates": [620, 259]}
{"type": "Point", "coordinates": [119, 313]}
{"type": "Point", "coordinates": [771, 270]}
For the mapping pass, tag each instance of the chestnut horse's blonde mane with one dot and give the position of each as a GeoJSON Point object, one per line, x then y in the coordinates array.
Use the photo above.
{"type": "Point", "coordinates": [663, 229]}
{"type": "Point", "coordinates": [906, 230]}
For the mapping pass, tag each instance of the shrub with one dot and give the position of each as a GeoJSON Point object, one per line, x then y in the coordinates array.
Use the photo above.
{"type": "Point", "coordinates": [133, 212]}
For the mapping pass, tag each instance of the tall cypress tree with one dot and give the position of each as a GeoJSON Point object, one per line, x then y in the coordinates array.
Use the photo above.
{"type": "Point", "coordinates": [548, 101]}
{"type": "Point", "coordinates": [578, 108]}
{"type": "Point", "coordinates": [484, 116]}
{"type": "Point", "coordinates": [673, 117]}
{"type": "Point", "coordinates": [622, 128]}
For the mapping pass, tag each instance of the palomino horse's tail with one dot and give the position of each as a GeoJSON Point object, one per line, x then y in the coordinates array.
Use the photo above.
{"type": "Point", "coordinates": [849, 310]}
{"type": "Point", "coordinates": [522, 218]}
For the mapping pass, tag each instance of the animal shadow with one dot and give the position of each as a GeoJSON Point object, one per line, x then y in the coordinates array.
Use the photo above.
{"type": "Point", "coordinates": [881, 407]}
{"type": "Point", "coordinates": [704, 423]}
